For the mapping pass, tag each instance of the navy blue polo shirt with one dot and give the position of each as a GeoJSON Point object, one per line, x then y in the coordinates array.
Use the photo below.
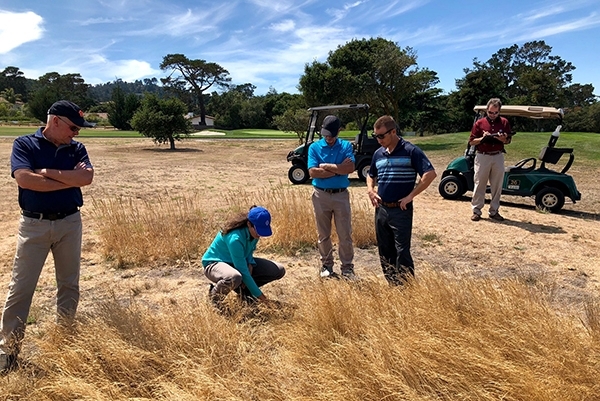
{"type": "Point", "coordinates": [396, 172]}
{"type": "Point", "coordinates": [33, 152]}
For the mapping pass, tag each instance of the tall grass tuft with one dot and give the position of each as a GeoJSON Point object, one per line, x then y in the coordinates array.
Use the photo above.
{"type": "Point", "coordinates": [293, 220]}
{"type": "Point", "coordinates": [135, 232]}
{"type": "Point", "coordinates": [440, 338]}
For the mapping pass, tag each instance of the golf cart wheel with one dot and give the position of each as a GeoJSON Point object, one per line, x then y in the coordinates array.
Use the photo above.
{"type": "Point", "coordinates": [363, 170]}
{"type": "Point", "coordinates": [451, 187]}
{"type": "Point", "coordinates": [298, 174]}
{"type": "Point", "coordinates": [550, 198]}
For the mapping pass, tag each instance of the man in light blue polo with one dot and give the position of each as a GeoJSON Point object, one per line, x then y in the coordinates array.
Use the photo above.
{"type": "Point", "coordinates": [330, 160]}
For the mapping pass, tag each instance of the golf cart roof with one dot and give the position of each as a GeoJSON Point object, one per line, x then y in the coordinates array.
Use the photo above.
{"type": "Point", "coordinates": [525, 111]}
{"type": "Point", "coordinates": [340, 106]}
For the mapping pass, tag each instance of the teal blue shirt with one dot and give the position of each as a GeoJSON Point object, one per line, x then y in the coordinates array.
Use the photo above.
{"type": "Point", "coordinates": [235, 248]}
{"type": "Point", "coordinates": [320, 152]}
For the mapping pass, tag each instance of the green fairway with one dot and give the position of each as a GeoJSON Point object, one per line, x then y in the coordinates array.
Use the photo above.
{"type": "Point", "coordinates": [586, 146]}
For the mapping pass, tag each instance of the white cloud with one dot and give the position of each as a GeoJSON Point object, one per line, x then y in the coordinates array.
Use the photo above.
{"type": "Point", "coordinates": [128, 70]}
{"type": "Point", "coordinates": [281, 67]}
{"type": "Point", "coordinates": [284, 26]}
{"type": "Point", "coordinates": [97, 21]}
{"type": "Point", "coordinates": [396, 8]}
{"type": "Point", "coordinates": [280, 6]}
{"type": "Point", "coordinates": [543, 13]}
{"type": "Point", "coordinates": [340, 13]}
{"type": "Point", "coordinates": [188, 23]}
{"type": "Point", "coordinates": [18, 28]}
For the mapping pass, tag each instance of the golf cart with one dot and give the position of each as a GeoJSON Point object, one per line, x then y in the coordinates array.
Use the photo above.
{"type": "Point", "coordinates": [364, 146]}
{"type": "Point", "coordinates": [523, 179]}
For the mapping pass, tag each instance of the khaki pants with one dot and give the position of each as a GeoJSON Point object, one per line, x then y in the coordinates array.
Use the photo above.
{"type": "Point", "coordinates": [488, 168]}
{"type": "Point", "coordinates": [336, 206]}
{"type": "Point", "coordinates": [227, 278]}
{"type": "Point", "coordinates": [36, 238]}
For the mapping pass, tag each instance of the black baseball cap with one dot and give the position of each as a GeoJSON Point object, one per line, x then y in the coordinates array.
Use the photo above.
{"type": "Point", "coordinates": [70, 110]}
{"type": "Point", "coordinates": [331, 126]}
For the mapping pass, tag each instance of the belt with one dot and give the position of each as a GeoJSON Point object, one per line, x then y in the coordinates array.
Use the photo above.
{"type": "Point", "coordinates": [490, 153]}
{"type": "Point", "coordinates": [331, 190]}
{"type": "Point", "coordinates": [391, 204]}
{"type": "Point", "coordinates": [48, 216]}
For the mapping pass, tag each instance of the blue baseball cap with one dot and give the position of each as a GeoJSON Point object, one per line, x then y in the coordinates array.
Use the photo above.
{"type": "Point", "coordinates": [261, 220]}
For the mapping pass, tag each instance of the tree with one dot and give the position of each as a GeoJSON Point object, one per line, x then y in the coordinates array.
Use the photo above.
{"type": "Point", "coordinates": [12, 77]}
{"type": "Point", "coordinates": [122, 108]}
{"type": "Point", "coordinates": [528, 74]}
{"type": "Point", "coordinates": [374, 71]}
{"type": "Point", "coordinates": [196, 76]}
{"type": "Point", "coordinates": [275, 104]}
{"type": "Point", "coordinates": [52, 87]}
{"type": "Point", "coordinates": [10, 96]}
{"type": "Point", "coordinates": [293, 120]}
{"type": "Point", "coordinates": [163, 120]}
{"type": "Point", "coordinates": [238, 108]}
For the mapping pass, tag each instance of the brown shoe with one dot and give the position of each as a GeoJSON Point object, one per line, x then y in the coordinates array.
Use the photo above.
{"type": "Point", "coordinates": [497, 217]}
{"type": "Point", "coordinates": [475, 217]}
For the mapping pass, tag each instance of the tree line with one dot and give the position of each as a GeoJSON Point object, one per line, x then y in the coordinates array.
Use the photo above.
{"type": "Point", "coordinates": [375, 71]}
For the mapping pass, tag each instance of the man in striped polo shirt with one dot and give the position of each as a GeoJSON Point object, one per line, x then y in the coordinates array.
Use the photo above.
{"type": "Point", "coordinates": [394, 169]}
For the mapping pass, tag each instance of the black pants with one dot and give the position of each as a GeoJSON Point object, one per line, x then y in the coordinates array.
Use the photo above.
{"type": "Point", "coordinates": [393, 228]}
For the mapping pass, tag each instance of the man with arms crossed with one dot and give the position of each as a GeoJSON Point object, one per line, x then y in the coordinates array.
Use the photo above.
{"type": "Point", "coordinates": [330, 160]}
{"type": "Point", "coordinates": [394, 168]}
{"type": "Point", "coordinates": [50, 168]}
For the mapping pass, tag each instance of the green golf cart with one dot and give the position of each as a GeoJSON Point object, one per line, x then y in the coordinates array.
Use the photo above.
{"type": "Point", "coordinates": [527, 177]}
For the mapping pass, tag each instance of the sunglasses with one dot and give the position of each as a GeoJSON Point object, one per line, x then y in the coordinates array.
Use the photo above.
{"type": "Point", "coordinates": [381, 136]}
{"type": "Point", "coordinates": [493, 113]}
{"type": "Point", "coordinates": [73, 128]}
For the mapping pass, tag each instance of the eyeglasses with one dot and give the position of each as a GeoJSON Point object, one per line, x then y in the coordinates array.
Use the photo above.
{"type": "Point", "coordinates": [73, 128]}
{"type": "Point", "coordinates": [493, 113]}
{"type": "Point", "coordinates": [381, 136]}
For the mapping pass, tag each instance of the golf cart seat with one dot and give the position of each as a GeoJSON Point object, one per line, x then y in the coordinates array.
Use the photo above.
{"type": "Point", "coordinates": [522, 166]}
{"type": "Point", "coordinates": [552, 155]}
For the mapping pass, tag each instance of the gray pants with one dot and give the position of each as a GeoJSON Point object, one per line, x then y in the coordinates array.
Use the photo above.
{"type": "Point", "coordinates": [336, 206]}
{"type": "Point", "coordinates": [36, 238]}
{"type": "Point", "coordinates": [488, 168]}
{"type": "Point", "coordinates": [227, 278]}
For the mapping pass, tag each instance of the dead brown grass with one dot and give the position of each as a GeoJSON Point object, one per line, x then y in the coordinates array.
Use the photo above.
{"type": "Point", "coordinates": [441, 338]}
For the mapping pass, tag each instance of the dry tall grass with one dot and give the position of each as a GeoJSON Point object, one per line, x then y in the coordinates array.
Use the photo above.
{"type": "Point", "coordinates": [443, 338]}
{"type": "Point", "coordinates": [135, 232]}
{"type": "Point", "coordinates": [138, 232]}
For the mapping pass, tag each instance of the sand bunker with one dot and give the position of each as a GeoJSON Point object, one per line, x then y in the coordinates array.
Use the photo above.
{"type": "Point", "coordinates": [206, 133]}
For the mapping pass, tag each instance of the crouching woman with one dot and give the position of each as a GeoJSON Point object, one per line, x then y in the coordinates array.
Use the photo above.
{"type": "Point", "coordinates": [229, 262]}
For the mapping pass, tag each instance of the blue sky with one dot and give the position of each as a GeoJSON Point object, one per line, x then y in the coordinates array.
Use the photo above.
{"type": "Point", "coordinates": [268, 42]}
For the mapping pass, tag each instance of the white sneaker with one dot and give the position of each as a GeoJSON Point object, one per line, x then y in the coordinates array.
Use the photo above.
{"type": "Point", "coordinates": [328, 273]}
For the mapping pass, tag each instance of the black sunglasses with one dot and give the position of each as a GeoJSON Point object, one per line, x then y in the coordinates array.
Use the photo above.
{"type": "Point", "coordinates": [73, 128]}
{"type": "Point", "coordinates": [381, 136]}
